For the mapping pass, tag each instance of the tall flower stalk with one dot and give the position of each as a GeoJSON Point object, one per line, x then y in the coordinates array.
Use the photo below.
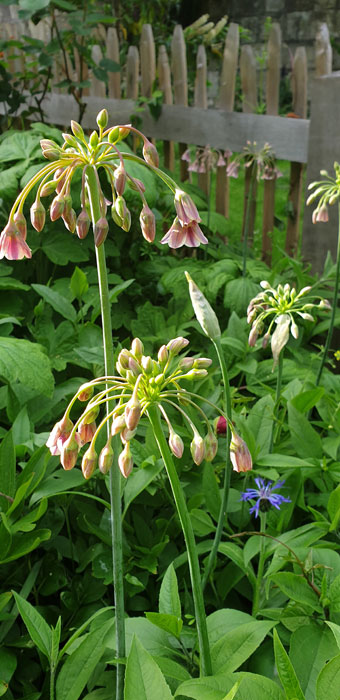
{"type": "Point", "coordinates": [89, 155]}
{"type": "Point", "coordinates": [327, 191]}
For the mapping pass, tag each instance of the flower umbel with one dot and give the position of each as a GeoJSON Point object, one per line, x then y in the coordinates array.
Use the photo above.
{"type": "Point", "coordinates": [279, 307]}
{"type": "Point", "coordinates": [327, 191]}
{"type": "Point", "coordinates": [264, 496]}
{"type": "Point", "coordinates": [100, 153]}
{"type": "Point", "coordinates": [141, 382]}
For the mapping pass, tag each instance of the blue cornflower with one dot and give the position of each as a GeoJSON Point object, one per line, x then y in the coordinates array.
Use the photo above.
{"type": "Point", "coordinates": [264, 495]}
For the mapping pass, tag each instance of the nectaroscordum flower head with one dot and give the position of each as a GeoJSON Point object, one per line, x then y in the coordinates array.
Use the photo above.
{"type": "Point", "coordinates": [94, 156]}
{"type": "Point", "coordinates": [240, 456]}
{"type": "Point", "coordinates": [277, 311]}
{"type": "Point", "coordinates": [326, 191]}
{"type": "Point", "coordinates": [141, 383]}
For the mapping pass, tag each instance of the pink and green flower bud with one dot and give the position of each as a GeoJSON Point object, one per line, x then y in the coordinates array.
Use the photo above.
{"type": "Point", "coordinates": [20, 223]}
{"type": "Point", "coordinates": [132, 413]}
{"type": "Point", "coordinates": [50, 149]}
{"type": "Point", "coordinates": [70, 220]}
{"type": "Point", "coordinates": [60, 431]}
{"type": "Point", "coordinates": [163, 355]}
{"type": "Point", "coordinates": [176, 444]}
{"type": "Point", "coordinates": [265, 340]}
{"type": "Point", "coordinates": [253, 336]}
{"type": "Point", "coordinates": [148, 223]}
{"type": "Point", "coordinates": [38, 216]}
{"type": "Point", "coordinates": [150, 153]}
{"type": "Point", "coordinates": [134, 367]}
{"type": "Point", "coordinates": [90, 414]}
{"type": "Point", "coordinates": [113, 135]}
{"type": "Point", "coordinates": [69, 452]}
{"type": "Point", "coordinates": [116, 218]}
{"type": "Point", "coordinates": [85, 393]}
{"type": "Point", "coordinates": [126, 223]}
{"type": "Point", "coordinates": [202, 362]}
{"type": "Point", "coordinates": [70, 140]}
{"type": "Point", "coordinates": [48, 188]}
{"type": "Point", "coordinates": [176, 345]}
{"type": "Point", "coordinates": [86, 431]}
{"type": "Point", "coordinates": [204, 313]}
{"type": "Point", "coordinates": [124, 357]}
{"type": "Point", "coordinates": [124, 132]}
{"type": "Point", "coordinates": [120, 207]}
{"type": "Point", "coordinates": [100, 231]}
{"type": "Point", "coordinates": [89, 462]}
{"type": "Point", "coordinates": [194, 374]}
{"type": "Point", "coordinates": [125, 461]}
{"type": "Point", "coordinates": [240, 456]}
{"type": "Point", "coordinates": [186, 363]}
{"type": "Point", "coordinates": [147, 364]}
{"type": "Point", "coordinates": [12, 244]}
{"type": "Point", "coordinates": [136, 185]}
{"type": "Point", "coordinates": [103, 118]}
{"type": "Point", "coordinates": [93, 140]}
{"type": "Point", "coordinates": [106, 458]}
{"type": "Point", "coordinates": [197, 449]}
{"type": "Point", "coordinates": [77, 130]}
{"type": "Point", "coordinates": [82, 224]}
{"type": "Point", "coordinates": [211, 445]}
{"type": "Point", "coordinates": [118, 424]}
{"type": "Point", "coordinates": [137, 348]}
{"type": "Point", "coordinates": [120, 179]}
{"type": "Point", "coordinates": [294, 329]}
{"type": "Point", "coordinates": [185, 208]}
{"type": "Point", "coordinates": [126, 435]}
{"type": "Point", "coordinates": [57, 207]}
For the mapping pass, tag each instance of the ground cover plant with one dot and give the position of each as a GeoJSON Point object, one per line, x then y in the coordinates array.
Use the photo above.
{"type": "Point", "coordinates": [211, 407]}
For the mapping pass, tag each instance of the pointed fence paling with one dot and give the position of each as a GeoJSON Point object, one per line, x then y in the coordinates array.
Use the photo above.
{"type": "Point", "coordinates": [138, 76]}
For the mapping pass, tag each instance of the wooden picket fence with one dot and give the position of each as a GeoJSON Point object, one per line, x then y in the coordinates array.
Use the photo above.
{"type": "Point", "coordinates": [218, 127]}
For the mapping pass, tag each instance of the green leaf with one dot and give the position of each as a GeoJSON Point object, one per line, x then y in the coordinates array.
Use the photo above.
{"type": "Point", "coordinates": [57, 301]}
{"type": "Point", "coordinates": [80, 665]}
{"type": "Point", "coordinates": [79, 284]}
{"type": "Point", "coordinates": [8, 664]}
{"type": "Point", "coordinates": [144, 679]}
{"type": "Point", "coordinates": [8, 185]}
{"type": "Point", "coordinates": [304, 401]}
{"type": "Point", "coordinates": [140, 480]}
{"type": "Point", "coordinates": [217, 223]}
{"type": "Point", "coordinates": [333, 594]}
{"type": "Point", "coordinates": [170, 623]}
{"type": "Point", "coordinates": [333, 507]}
{"type": "Point", "coordinates": [58, 482]}
{"type": "Point", "coordinates": [236, 646]}
{"type": "Point", "coordinates": [7, 469]}
{"type": "Point", "coordinates": [336, 631]}
{"type": "Point", "coordinates": [20, 145]}
{"type": "Point", "coordinates": [61, 248]}
{"type": "Point", "coordinates": [238, 293]}
{"type": "Point", "coordinates": [283, 461]}
{"type": "Point", "coordinates": [305, 439]}
{"type": "Point", "coordinates": [328, 683]}
{"type": "Point", "coordinates": [108, 64]}
{"type": "Point", "coordinates": [252, 687]}
{"type": "Point", "coordinates": [311, 646]}
{"type": "Point", "coordinates": [25, 362]}
{"type": "Point", "coordinates": [79, 631]}
{"type": "Point", "coordinates": [259, 422]}
{"type": "Point", "coordinates": [22, 544]}
{"type": "Point", "coordinates": [201, 522]}
{"type": "Point", "coordinates": [37, 627]}
{"type": "Point", "coordinates": [296, 588]}
{"type": "Point", "coordinates": [286, 671]}
{"type": "Point", "coordinates": [113, 296]}
{"type": "Point", "coordinates": [169, 600]}
{"type": "Point", "coordinates": [224, 620]}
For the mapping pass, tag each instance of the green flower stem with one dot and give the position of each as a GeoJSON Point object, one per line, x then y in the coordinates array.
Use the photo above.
{"type": "Point", "coordinates": [277, 398]}
{"type": "Point", "coordinates": [205, 660]}
{"type": "Point", "coordinates": [247, 219]}
{"type": "Point", "coordinates": [227, 472]}
{"type": "Point", "coordinates": [334, 306]}
{"type": "Point", "coordinates": [52, 677]}
{"type": "Point", "coordinates": [115, 493]}
{"type": "Point", "coordinates": [262, 558]}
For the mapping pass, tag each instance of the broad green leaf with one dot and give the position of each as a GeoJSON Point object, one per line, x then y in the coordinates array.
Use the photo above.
{"type": "Point", "coordinates": [236, 646]}
{"type": "Point", "coordinates": [333, 594]}
{"type": "Point", "coordinates": [169, 600]}
{"type": "Point", "coordinates": [8, 664]}
{"type": "Point", "coordinates": [296, 588]}
{"type": "Point", "coordinates": [113, 296]}
{"type": "Point", "coordinates": [235, 553]}
{"type": "Point", "coordinates": [225, 620]}
{"type": "Point", "coordinates": [333, 507]}
{"type": "Point", "coordinates": [79, 631]}
{"type": "Point", "coordinates": [305, 439]}
{"type": "Point", "coordinates": [304, 401]}
{"type": "Point", "coordinates": [252, 687]}
{"type": "Point", "coordinates": [170, 623]}
{"type": "Point", "coordinates": [7, 469]}
{"type": "Point", "coordinates": [38, 629]}
{"type": "Point", "coordinates": [201, 522]}
{"type": "Point", "coordinates": [144, 679]}
{"type": "Point", "coordinates": [78, 283]}
{"type": "Point", "coordinates": [232, 692]}
{"type": "Point", "coordinates": [3, 687]}
{"type": "Point", "coordinates": [238, 293]}
{"type": "Point", "coordinates": [58, 482]}
{"type": "Point", "coordinates": [8, 185]}
{"type": "Point", "coordinates": [62, 248]}
{"type": "Point", "coordinates": [311, 646]}
{"type": "Point", "coordinates": [20, 145]}
{"type": "Point", "coordinates": [24, 543]}
{"type": "Point", "coordinates": [336, 631]}
{"type": "Point", "coordinates": [35, 467]}
{"type": "Point", "coordinates": [11, 283]}
{"type": "Point", "coordinates": [56, 632]}
{"type": "Point", "coordinates": [4, 599]}
{"type": "Point", "coordinates": [260, 421]}
{"type": "Point", "coordinates": [25, 362]}
{"type": "Point", "coordinates": [286, 671]}
{"type": "Point", "coordinates": [57, 301]}
{"type": "Point", "coordinates": [79, 666]}
{"type": "Point", "coordinates": [139, 480]}
{"type": "Point", "coordinates": [328, 683]}
{"type": "Point", "coordinates": [283, 461]}
{"type": "Point", "coordinates": [154, 640]}
{"type": "Point", "coordinates": [171, 669]}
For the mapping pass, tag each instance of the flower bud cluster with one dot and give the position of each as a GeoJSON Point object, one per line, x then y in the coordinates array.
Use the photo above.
{"type": "Point", "coordinates": [141, 382]}
{"type": "Point", "coordinates": [279, 309]}
{"type": "Point", "coordinates": [263, 159]}
{"type": "Point", "coordinates": [89, 155]}
{"type": "Point", "coordinates": [326, 191]}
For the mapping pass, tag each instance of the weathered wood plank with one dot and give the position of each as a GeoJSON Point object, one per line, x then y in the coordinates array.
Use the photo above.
{"type": "Point", "coordinates": [288, 137]}
{"type": "Point", "coordinates": [299, 89]}
{"type": "Point", "coordinates": [201, 100]}
{"type": "Point", "coordinates": [248, 79]}
{"type": "Point", "coordinates": [180, 85]}
{"type": "Point", "coordinates": [226, 101]}
{"type": "Point", "coordinates": [324, 144]}
{"type": "Point", "coordinates": [98, 87]}
{"type": "Point", "coordinates": [323, 51]}
{"type": "Point", "coordinates": [164, 78]}
{"type": "Point", "coordinates": [132, 73]}
{"type": "Point", "coordinates": [147, 60]}
{"type": "Point", "coordinates": [112, 49]}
